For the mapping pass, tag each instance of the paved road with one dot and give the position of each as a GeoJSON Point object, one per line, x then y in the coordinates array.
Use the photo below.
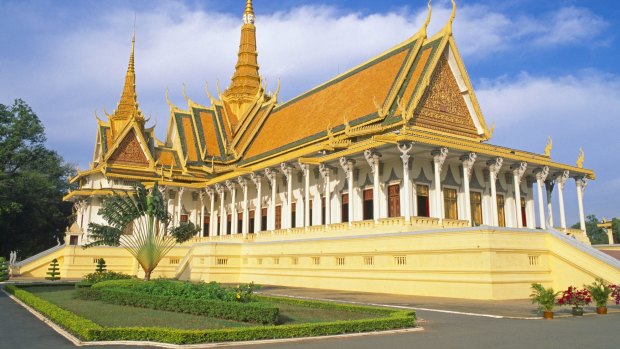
{"type": "Point", "coordinates": [20, 329]}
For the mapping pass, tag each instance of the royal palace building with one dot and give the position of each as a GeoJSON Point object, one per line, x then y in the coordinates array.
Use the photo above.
{"type": "Point", "coordinates": [382, 179]}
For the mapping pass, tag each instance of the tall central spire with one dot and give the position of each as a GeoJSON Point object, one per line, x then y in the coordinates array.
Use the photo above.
{"type": "Point", "coordinates": [127, 108]}
{"type": "Point", "coordinates": [246, 82]}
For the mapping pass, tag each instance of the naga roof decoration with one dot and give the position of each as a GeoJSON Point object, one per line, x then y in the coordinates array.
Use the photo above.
{"type": "Point", "coordinates": [419, 88]}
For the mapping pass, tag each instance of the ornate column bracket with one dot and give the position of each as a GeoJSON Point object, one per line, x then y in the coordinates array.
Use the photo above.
{"type": "Point", "coordinates": [439, 156]}
{"type": "Point", "coordinates": [243, 182]}
{"type": "Point", "coordinates": [541, 174]}
{"type": "Point", "coordinates": [347, 165]}
{"type": "Point", "coordinates": [468, 163]}
{"type": "Point", "coordinates": [494, 166]}
{"type": "Point", "coordinates": [519, 170]}
{"type": "Point", "coordinates": [325, 171]}
{"type": "Point", "coordinates": [219, 188]}
{"type": "Point", "coordinates": [287, 170]}
{"type": "Point", "coordinates": [210, 191]}
{"type": "Point", "coordinates": [372, 157]}
{"type": "Point", "coordinates": [271, 174]}
{"type": "Point", "coordinates": [405, 148]}
{"type": "Point", "coordinates": [230, 185]}
{"type": "Point", "coordinates": [256, 178]}
{"type": "Point", "coordinates": [561, 178]}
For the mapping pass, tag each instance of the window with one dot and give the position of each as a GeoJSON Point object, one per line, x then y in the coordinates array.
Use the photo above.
{"type": "Point", "coordinates": [276, 261]}
{"type": "Point", "coordinates": [73, 240]}
{"type": "Point", "coordinates": [184, 218]}
{"type": "Point", "coordinates": [218, 224]}
{"type": "Point", "coordinates": [294, 260]}
{"type": "Point", "coordinates": [252, 220]}
{"type": "Point", "coordinates": [400, 260]}
{"type": "Point", "coordinates": [205, 225]}
{"type": "Point", "coordinates": [475, 199]}
{"type": "Point", "coordinates": [339, 260]}
{"type": "Point", "coordinates": [394, 200]}
{"type": "Point", "coordinates": [263, 219]}
{"type": "Point", "coordinates": [344, 209]}
{"type": "Point", "coordinates": [221, 261]}
{"type": "Point", "coordinates": [449, 203]}
{"type": "Point", "coordinates": [501, 218]}
{"type": "Point", "coordinates": [316, 260]}
{"type": "Point", "coordinates": [293, 214]}
{"type": "Point", "coordinates": [368, 204]}
{"type": "Point", "coordinates": [310, 213]}
{"type": "Point", "coordinates": [370, 260]}
{"type": "Point", "coordinates": [278, 217]}
{"type": "Point", "coordinates": [239, 222]}
{"type": "Point", "coordinates": [173, 260]}
{"type": "Point", "coordinates": [533, 259]}
{"type": "Point", "coordinates": [323, 210]}
{"type": "Point", "coordinates": [422, 200]}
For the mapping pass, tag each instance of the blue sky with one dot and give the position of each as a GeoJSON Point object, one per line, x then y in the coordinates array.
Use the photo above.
{"type": "Point", "coordinates": [540, 68]}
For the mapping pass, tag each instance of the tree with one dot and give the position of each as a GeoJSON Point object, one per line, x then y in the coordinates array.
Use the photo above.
{"type": "Point", "coordinates": [33, 180]}
{"type": "Point", "coordinates": [138, 221]}
{"type": "Point", "coordinates": [595, 234]}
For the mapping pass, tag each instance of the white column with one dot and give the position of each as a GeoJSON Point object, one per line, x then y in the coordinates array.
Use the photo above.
{"type": "Point", "coordinates": [287, 170]}
{"type": "Point", "coordinates": [541, 175]}
{"type": "Point", "coordinates": [581, 183]}
{"type": "Point", "coordinates": [348, 168]}
{"type": "Point", "coordinates": [223, 219]}
{"type": "Point", "coordinates": [439, 157]}
{"type": "Point", "coordinates": [325, 172]}
{"type": "Point", "coordinates": [271, 212]}
{"type": "Point", "coordinates": [212, 227]}
{"type": "Point", "coordinates": [405, 210]}
{"type": "Point", "coordinates": [560, 182]}
{"type": "Point", "coordinates": [180, 205]}
{"type": "Point", "coordinates": [245, 220]}
{"type": "Point", "coordinates": [373, 158]}
{"type": "Point", "coordinates": [494, 167]}
{"type": "Point", "coordinates": [306, 171]}
{"type": "Point", "coordinates": [201, 220]}
{"type": "Point", "coordinates": [233, 215]}
{"type": "Point", "coordinates": [517, 175]}
{"type": "Point", "coordinates": [257, 179]}
{"type": "Point", "coordinates": [468, 161]}
{"type": "Point", "coordinates": [549, 185]}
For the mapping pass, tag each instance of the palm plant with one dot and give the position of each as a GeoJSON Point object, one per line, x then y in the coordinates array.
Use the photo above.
{"type": "Point", "coordinates": [544, 297]}
{"type": "Point", "coordinates": [600, 292]}
{"type": "Point", "coordinates": [146, 214]}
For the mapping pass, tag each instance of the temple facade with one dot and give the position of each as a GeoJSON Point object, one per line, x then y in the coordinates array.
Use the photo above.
{"type": "Point", "coordinates": [372, 169]}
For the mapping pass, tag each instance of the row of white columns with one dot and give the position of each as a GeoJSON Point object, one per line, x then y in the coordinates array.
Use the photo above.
{"type": "Point", "coordinates": [373, 159]}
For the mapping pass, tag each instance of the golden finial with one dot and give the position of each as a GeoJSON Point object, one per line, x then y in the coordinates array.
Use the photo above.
{"type": "Point", "coordinates": [428, 16]}
{"type": "Point", "coordinates": [209, 93]}
{"type": "Point", "coordinates": [185, 93]}
{"type": "Point", "coordinates": [580, 159]}
{"type": "Point", "coordinates": [491, 130]}
{"type": "Point", "coordinates": [548, 147]}
{"type": "Point", "coordinates": [168, 99]}
{"type": "Point", "coordinates": [248, 15]}
{"type": "Point", "coordinates": [448, 27]}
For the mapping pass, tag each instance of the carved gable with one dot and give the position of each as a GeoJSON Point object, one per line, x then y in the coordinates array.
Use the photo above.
{"type": "Point", "coordinates": [129, 152]}
{"type": "Point", "coordinates": [443, 106]}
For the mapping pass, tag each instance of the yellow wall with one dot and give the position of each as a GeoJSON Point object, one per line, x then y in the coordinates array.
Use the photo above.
{"type": "Point", "coordinates": [475, 263]}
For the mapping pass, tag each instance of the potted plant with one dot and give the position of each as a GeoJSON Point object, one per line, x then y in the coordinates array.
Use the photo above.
{"type": "Point", "coordinates": [600, 292]}
{"type": "Point", "coordinates": [545, 298]}
{"type": "Point", "coordinates": [615, 293]}
{"type": "Point", "coordinates": [575, 297]}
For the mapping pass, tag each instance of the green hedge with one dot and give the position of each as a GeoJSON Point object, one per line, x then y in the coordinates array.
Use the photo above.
{"type": "Point", "coordinates": [90, 331]}
{"type": "Point", "coordinates": [258, 312]}
{"type": "Point", "coordinates": [78, 325]}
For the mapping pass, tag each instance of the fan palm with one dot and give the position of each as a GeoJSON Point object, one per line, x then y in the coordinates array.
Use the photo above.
{"type": "Point", "coordinates": [145, 214]}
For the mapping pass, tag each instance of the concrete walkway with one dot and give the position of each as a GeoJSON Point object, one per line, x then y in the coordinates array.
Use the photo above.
{"type": "Point", "coordinates": [448, 323]}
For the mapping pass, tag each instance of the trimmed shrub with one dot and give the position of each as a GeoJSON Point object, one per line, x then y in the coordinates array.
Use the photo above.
{"type": "Point", "coordinates": [97, 277]}
{"type": "Point", "coordinates": [4, 269]}
{"type": "Point", "coordinates": [258, 312]}
{"type": "Point", "coordinates": [53, 271]}
{"type": "Point", "coordinates": [101, 267]}
{"type": "Point", "coordinates": [185, 289]}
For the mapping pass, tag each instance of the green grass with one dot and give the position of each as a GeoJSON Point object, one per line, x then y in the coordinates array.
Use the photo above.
{"type": "Point", "coordinates": [109, 315]}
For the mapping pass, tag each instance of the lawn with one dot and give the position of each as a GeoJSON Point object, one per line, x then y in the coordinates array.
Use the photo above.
{"type": "Point", "coordinates": [109, 315]}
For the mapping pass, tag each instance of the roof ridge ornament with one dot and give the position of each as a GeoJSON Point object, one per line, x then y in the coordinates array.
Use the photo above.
{"type": "Point", "coordinates": [448, 28]}
{"type": "Point", "coordinates": [428, 19]}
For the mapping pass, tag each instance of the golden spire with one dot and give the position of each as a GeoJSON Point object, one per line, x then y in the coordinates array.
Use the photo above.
{"type": "Point", "coordinates": [128, 105]}
{"type": "Point", "coordinates": [246, 82]}
{"type": "Point", "coordinates": [448, 28]}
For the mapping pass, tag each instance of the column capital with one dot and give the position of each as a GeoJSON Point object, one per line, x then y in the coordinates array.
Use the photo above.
{"type": "Point", "coordinates": [561, 178]}
{"type": "Point", "coordinates": [256, 178]}
{"type": "Point", "coordinates": [230, 185]}
{"type": "Point", "coordinates": [181, 192]}
{"type": "Point", "coordinates": [271, 173]}
{"type": "Point", "coordinates": [581, 182]}
{"type": "Point", "coordinates": [347, 164]}
{"type": "Point", "coordinates": [243, 182]}
{"type": "Point", "coordinates": [287, 170]}
{"type": "Point", "coordinates": [405, 148]}
{"type": "Point", "coordinates": [541, 173]}
{"type": "Point", "coordinates": [372, 157]}
{"type": "Point", "coordinates": [518, 170]}
{"type": "Point", "coordinates": [303, 167]}
{"type": "Point", "coordinates": [162, 191]}
{"type": "Point", "coordinates": [439, 156]}
{"type": "Point", "coordinates": [210, 191]}
{"type": "Point", "coordinates": [219, 188]}
{"type": "Point", "coordinates": [325, 170]}
{"type": "Point", "coordinates": [495, 165]}
{"type": "Point", "coordinates": [468, 162]}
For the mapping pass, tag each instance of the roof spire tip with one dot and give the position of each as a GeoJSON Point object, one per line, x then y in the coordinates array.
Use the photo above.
{"type": "Point", "coordinates": [452, 16]}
